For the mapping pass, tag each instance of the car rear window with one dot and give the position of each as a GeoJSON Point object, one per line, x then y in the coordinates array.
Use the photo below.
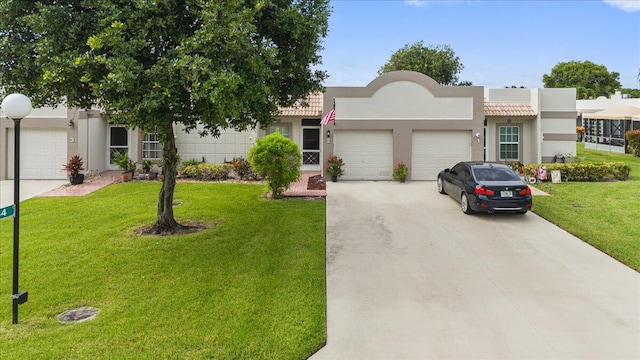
{"type": "Point", "coordinates": [495, 174]}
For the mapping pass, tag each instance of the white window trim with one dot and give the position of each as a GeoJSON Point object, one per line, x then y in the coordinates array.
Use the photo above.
{"type": "Point", "coordinates": [158, 150]}
{"type": "Point", "coordinates": [519, 142]}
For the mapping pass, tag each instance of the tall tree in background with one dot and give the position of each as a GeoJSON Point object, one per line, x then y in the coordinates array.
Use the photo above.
{"type": "Point", "coordinates": [590, 80]}
{"type": "Point", "coordinates": [438, 62]}
{"type": "Point", "coordinates": [203, 64]}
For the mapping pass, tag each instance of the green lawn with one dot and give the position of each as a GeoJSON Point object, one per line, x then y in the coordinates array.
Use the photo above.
{"type": "Point", "coordinates": [251, 287]}
{"type": "Point", "coordinates": [604, 214]}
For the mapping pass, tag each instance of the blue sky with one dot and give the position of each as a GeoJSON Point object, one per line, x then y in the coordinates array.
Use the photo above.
{"type": "Point", "coordinates": [500, 43]}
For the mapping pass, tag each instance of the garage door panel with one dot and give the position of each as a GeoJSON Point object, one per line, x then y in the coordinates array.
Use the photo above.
{"type": "Point", "coordinates": [43, 152]}
{"type": "Point", "coordinates": [433, 151]}
{"type": "Point", "coordinates": [368, 155]}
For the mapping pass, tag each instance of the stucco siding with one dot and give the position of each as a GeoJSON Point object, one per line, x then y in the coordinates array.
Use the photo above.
{"type": "Point", "coordinates": [404, 100]}
{"type": "Point", "coordinates": [557, 99]}
{"type": "Point", "coordinates": [48, 112]}
{"type": "Point", "coordinates": [509, 95]}
{"type": "Point", "coordinates": [552, 148]}
{"type": "Point", "coordinates": [230, 144]}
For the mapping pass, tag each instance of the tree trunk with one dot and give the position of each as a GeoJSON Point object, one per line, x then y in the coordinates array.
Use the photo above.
{"type": "Point", "coordinates": [165, 221]}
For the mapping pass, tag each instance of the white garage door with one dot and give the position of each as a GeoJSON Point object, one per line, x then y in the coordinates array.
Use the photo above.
{"type": "Point", "coordinates": [433, 151]}
{"type": "Point", "coordinates": [43, 152]}
{"type": "Point", "coordinates": [368, 155]}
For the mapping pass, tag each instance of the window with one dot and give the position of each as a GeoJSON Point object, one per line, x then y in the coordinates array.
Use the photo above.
{"type": "Point", "coordinates": [284, 129]}
{"type": "Point", "coordinates": [509, 143]}
{"type": "Point", "coordinates": [151, 147]}
{"type": "Point", "coordinates": [461, 171]}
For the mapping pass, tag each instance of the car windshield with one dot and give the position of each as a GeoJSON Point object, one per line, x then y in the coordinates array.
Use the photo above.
{"type": "Point", "coordinates": [495, 174]}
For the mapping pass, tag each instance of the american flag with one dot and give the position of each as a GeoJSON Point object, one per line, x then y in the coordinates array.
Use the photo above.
{"type": "Point", "coordinates": [331, 115]}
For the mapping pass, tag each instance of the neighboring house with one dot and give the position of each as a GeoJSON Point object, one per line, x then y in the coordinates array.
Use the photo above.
{"type": "Point", "coordinates": [404, 116]}
{"type": "Point", "coordinates": [530, 125]}
{"type": "Point", "coordinates": [605, 121]}
{"type": "Point", "coordinates": [407, 116]}
{"type": "Point", "coordinates": [399, 116]}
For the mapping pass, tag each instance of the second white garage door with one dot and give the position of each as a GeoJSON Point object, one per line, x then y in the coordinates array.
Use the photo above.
{"type": "Point", "coordinates": [367, 154]}
{"type": "Point", "coordinates": [433, 151]}
{"type": "Point", "coordinates": [43, 152]}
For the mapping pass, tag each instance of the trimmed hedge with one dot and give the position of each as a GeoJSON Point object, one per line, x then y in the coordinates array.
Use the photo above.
{"type": "Point", "coordinates": [206, 171]}
{"type": "Point", "coordinates": [633, 139]}
{"type": "Point", "coordinates": [583, 171]}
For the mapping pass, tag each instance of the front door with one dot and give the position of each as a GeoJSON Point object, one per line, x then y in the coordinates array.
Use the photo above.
{"type": "Point", "coordinates": [311, 146]}
{"type": "Point", "coordinates": [118, 143]}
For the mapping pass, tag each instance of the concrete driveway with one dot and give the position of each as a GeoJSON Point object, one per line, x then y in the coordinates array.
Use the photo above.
{"type": "Point", "coordinates": [28, 189]}
{"type": "Point", "coordinates": [409, 276]}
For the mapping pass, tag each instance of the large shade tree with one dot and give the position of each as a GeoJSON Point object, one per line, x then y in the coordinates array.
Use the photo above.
{"type": "Point", "coordinates": [438, 62]}
{"type": "Point", "coordinates": [590, 80]}
{"type": "Point", "coordinates": [207, 65]}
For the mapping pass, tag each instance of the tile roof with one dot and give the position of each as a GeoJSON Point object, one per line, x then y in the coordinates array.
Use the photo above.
{"type": "Point", "coordinates": [507, 109]}
{"type": "Point", "coordinates": [490, 108]}
{"type": "Point", "coordinates": [313, 110]}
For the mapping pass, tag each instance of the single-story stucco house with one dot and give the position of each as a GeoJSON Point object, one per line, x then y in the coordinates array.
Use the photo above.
{"type": "Point", "coordinates": [606, 120]}
{"type": "Point", "coordinates": [400, 116]}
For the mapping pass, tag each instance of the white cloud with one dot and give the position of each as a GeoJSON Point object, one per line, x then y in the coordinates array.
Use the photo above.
{"type": "Point", "coordinates": [625, 5]}
{"type": "Point", "coordinates": [416, 2]}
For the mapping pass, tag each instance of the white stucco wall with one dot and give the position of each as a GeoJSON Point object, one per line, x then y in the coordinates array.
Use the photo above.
{"type": "Point", "coordinates": [509, 95]}
{"type": "Point", "coordinates": [557, 100]}
{"type": "Point", "coordinates": [92, 143]}
{"type": "Point", "coordinates": [404, 100]}
{"type": "Point", "coordinates": [558, 125]}
{"type": "Point", "coordinates": [49, 112]}
{"type": "Point", "coordinates": [603, 103]}
{"type": "Point", "coordinates": [230, 144]}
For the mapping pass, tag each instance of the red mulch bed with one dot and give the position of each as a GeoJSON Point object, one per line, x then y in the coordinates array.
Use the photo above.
{"type": "Point", "coordinates": [316, 183]}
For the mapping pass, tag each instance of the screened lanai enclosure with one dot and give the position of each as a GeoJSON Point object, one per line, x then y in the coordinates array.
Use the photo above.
{"type": "Point", "coordinates": [604, 130]}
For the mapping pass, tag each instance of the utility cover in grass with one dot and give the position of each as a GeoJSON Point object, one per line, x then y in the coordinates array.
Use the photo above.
{"type": "Point", "coordinates": [78, 315]}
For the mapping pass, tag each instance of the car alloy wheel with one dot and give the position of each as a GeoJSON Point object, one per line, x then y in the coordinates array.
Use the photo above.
{"type": "Point", "coordinates": [440, 186]}
{"type": "Point", "coordinates": [464, 204]}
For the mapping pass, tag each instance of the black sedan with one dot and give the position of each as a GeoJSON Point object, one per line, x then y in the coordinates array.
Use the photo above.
{"type": "Point", "coordinates": [485, 186]}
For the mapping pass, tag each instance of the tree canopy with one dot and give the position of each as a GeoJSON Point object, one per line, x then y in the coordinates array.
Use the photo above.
{"type": "Point", "coordinates": [150, 64]}
{"type": "Point", "coordinates": [438, 62]}
{"type": "Point", "coordinates": [590, 80]}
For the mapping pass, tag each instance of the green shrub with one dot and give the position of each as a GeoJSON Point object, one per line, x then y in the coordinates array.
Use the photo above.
{"type": "Point", "coordinates": [189, 162]}
{"type": "Point", "coordinates": [243, 169]}
{"type": "Point", "coordinates": [633, 139]}
{"type": "Point", "coordinates": [583, 171]}
{"type": "Point", "coordinates": [206, 171]}
{"type": "Point", "coordinates": [278, 159]}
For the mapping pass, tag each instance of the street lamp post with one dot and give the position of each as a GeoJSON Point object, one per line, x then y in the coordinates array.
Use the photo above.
{"type": "Point", "coordinates": [16, 107]}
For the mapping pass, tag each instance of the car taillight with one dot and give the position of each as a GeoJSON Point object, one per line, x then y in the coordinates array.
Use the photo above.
{"type": "Point", "coordinates": [481, 190]}
{"type": "Point", "coordinates": [525, 191]}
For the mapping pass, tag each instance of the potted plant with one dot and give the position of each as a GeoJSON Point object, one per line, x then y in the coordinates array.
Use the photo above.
{"type": "Point", "coordinates": [125, 164]}
{"type": "Point", "coordinates": [147, 165]}
{"type": "Point", "coordinates": [73, 167]}
{"type": "Point", "coordinates": [400, 172]}
{"type": "Point", "coordinates": [335, 167]}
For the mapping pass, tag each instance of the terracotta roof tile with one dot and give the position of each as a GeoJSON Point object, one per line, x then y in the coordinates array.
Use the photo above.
{"type": "Point", "coordinates": [508, 109]}
{"type": "Point", "coordinates": [313, 110]}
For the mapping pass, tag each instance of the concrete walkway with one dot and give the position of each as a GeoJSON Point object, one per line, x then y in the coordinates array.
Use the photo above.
{"type": "Point", "coordinates": [28, 189]}
{"type": "Point", "coordinates": [53, 188]}
{"type": "Point", "coordinates": [409, 276]}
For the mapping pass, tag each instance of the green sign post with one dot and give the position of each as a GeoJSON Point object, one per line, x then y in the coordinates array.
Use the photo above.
{"type": "Point", "coordinates": [7, 211]}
